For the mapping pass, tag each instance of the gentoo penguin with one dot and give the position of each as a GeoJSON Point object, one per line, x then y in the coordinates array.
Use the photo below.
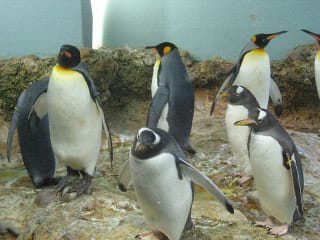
{"type": "Point", "coordinates": [172, 104]}
{"type": "Point", "coordinates": [240, 100]}
{"type": "Point", "coordinates": [253, 72]}
{"type": "Point", "coordinates": [316, 60]}
{"type": "Point", "coordinates": [31, 119]}
{"type": "Point", "coordinates": [75, 120]}
{"type": "Point", "coordinates": [276, 168]}
{"type": "Point", "coordinates": [163, 183]}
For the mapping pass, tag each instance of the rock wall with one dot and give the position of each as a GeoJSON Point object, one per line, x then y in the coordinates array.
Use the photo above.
{"type": "Point", "coordinates": [125, 74]}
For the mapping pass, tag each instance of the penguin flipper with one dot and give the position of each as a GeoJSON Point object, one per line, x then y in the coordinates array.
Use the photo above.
{"type": "Point", "coordinates": [297, 182]}
{"type": "Point", "coordinates": [227, 82]}
{"type": "Point", "coordinates": [124, 177]}
{"type": "Point", "coordinates": [275, 96]}
{"type": "Point", "coordinates": [106, 129]}
{"type": "Point", "coordinates": [82, 68]}
{"type": "Point", "coordinates": [196, 176]}
{"type": "Point", "coordinates": [157, 104]}
{"type": "Point", "coordinates": [14, 122]}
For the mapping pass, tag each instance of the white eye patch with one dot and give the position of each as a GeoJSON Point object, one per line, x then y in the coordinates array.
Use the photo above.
{"type": "Point", "coordinates": [262, 114]}
{"type": "Point", "coordinates": [239, 90]}
{"type": "Point", "coordinates": [156, 136]}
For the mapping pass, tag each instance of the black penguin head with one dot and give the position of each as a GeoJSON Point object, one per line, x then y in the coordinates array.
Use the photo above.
{"type": "Point", "coordinates": [239, 95]}
{"type": "Point", "coordinates": [69, 56]}
{"type": "Point", "coordinates": [163, 48]}
{"type": "Point", "coordinates": [147, 143]}
{"type": "Point", "coordinates": [259, 120]}
{"type": "Point", "coordinates": [262, 39]}
{"type": "Point", "coordinates": [312, 34]}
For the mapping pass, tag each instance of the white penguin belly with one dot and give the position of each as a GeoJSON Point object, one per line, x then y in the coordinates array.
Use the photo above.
{"type": "Point", "coordinates": [74, 121]}
{"type": "Point", "coordinates": [272, 179]}
{"type": "Point", "coordinates": [238, 136]}
{"type": "Point", "coordinates": [255, 74]}
{"type": "Point", "coordinates": [164, 199]}
{"type": "Point", "coordinates": [317, 72]}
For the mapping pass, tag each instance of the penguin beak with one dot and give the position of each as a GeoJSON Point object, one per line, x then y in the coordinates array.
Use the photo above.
{"type": "Point", "coordinates": [151, 47]}
{"type": "Point", "coordinates": [224, 95]}
{"type": "Point", "coordinates": [67, 54]}
{"type": "Point", "coordinates": [139, 148]}
{"type": "Point", "coordinates": [273, 35]}
{"type": "Point", "coordinates": [245, 122]}
{"type": "Point", "coordinates": [312, 34]}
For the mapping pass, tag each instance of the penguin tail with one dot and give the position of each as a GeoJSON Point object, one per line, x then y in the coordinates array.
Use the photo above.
{"type": "Point", "coordinates": [189, 149]}
{"type": "Point", "coordinates": [229, 207]}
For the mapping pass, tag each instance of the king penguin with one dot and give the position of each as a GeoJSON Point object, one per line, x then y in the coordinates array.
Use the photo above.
{"type": "Point", "coordinates": [316, 60]}
{"type": "Point", "coordinates": [163, 183]}
{"type": "Point", "coordinates": [75, 120]}
{"type": "Point", "coordinates": [277, 170]}
{"type": "Point", "coordinates": [31, 119]}
{"type": "Point", "coordinates": [253, 72]}
{"type": "Point", "coordinates": [172, 104]}
{"type": "Point", "coordinates": [240, 100]}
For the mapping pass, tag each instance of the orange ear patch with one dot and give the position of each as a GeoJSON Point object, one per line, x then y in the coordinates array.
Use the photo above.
{"type": "Point", "coordinates": [166, 50]}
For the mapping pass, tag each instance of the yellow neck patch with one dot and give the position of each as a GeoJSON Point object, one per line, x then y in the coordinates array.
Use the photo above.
{"type": "Point", "coordinates": [61, 69]}
{"type": "Point", "coordinates": [258, 51]}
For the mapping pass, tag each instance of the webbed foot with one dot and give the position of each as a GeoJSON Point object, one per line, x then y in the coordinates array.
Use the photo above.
{"type": "Point", "coordinates": [153, 235]}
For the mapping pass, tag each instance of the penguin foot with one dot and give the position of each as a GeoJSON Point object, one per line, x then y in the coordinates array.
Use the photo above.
{"type": "Point", "coordinates": [278, 230]}
{"type": "Point", "coordinates": [243, 178]}
{"type": "Point", "coordinates": [81, 185]}
{"type": "Point", "coordinates": [66, 181]}
{"type": "Point", "coordinates": [153, 235]}
{"type": "Point", "coordinates": [268, 223]}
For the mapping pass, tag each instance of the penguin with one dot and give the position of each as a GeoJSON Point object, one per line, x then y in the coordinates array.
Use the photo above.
{"type": "Point", "coordinates": [240, 100]}
{"type": "Point", "coordinates": [31, 119]}
{"type": "Point", "coordinates": [317, 60]}
{"type": "Point", "coordinates": [163, 183]}
{"type": "Point", "coordinates": [76, 121]}
{"type": "Point", "coordinates": [277, 170]}
{"type": "Point", "coordinates": [172, 104]}
{"type": "Point", "coordinates": [275, 96]}
{"type": "Point", "coordinates": [252, 71]}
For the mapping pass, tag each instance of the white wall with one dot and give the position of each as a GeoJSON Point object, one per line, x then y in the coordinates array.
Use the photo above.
{"type": "Point", "coordinates": [206, 28]}
{"type": "Point", "coordinates": [210, 28]}
{"type": "Point", "coordinates": [41, 26]}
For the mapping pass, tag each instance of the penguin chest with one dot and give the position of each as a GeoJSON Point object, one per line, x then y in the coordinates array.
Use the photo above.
{"type": "Point", "coordinates": [238, 136]}
{"type": "Point", "coordinates": [164, 198]}
{"type": "Point", "coordinates": [74, 121]}
{"type": "Point", "coordinates": [155, 75]}
{"type": "Point", "coordinates": [163, 119]}
{"type": "Point", "coordinates": [255, 74]}
{"type": "Point", "coordinates": [317, 71]}
{"type": "Point", "coordinates": [272, 179]}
